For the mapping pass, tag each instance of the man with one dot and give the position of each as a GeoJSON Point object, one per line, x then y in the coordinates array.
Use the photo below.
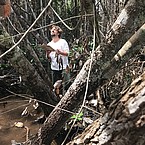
{"type": "Point", "coordinates": [58, 57]}
{"type": "Point", "coordinates": [57, 51]}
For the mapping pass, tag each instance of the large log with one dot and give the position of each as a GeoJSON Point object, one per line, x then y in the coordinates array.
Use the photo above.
{"type": "Point", "coordinates": [123, 124]}
{"type": "Point", "coordinates": [39, 87]}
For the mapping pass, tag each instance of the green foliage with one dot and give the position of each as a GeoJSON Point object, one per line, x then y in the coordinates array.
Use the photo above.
{"type": "Point", "coordinates": [4, 66]}
{"type": "Point", "coordinates": [5, 38]}
{"type": "Point", "coordinates": [75, 49]}
{"type": "Point", "coordinates": [128, 78]}
{"type": "Point", "coordinates": [78, 117]}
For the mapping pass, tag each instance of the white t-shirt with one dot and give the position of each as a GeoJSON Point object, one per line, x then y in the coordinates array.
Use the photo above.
{"type": "Point", "coordinates": [62, 45]}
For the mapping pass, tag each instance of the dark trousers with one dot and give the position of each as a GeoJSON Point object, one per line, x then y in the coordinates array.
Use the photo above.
{"type": "Point", "coordinates": [56, 75]}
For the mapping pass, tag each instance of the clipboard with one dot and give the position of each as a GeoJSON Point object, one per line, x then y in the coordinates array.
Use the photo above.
{"type": "Point", "coordinates": [47, 47]}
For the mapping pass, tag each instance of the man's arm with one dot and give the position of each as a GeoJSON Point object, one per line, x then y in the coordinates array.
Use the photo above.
{"type": "Point", "coordinates": [62, 52]}
{"type": "Point", "coordinates": [65, 50]}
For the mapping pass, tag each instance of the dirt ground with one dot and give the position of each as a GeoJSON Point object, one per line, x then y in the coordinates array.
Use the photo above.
{"type": "Point", "coordinates": [10, 113]}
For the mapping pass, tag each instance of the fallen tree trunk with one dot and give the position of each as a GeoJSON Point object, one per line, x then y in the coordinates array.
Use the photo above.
{"type": "Point", "coordinates": [126, 49]}
{"type": "Point", "coordinates": [124, 122]}
{"type": "Point", "coordinates": [39, 86]}
{"type": "Point", "coordinates": [74, 96]}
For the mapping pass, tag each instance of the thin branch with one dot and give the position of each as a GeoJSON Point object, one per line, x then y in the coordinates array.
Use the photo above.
{"type": "Point", "coordinates": [64, 22]}
{"type": "Point", "coordinates": [21, 95]}
{"type": "Point", "coordinates": [27, 30]}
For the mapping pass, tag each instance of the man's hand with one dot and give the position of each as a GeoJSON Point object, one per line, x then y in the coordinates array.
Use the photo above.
{"type": "Point", "coordinates": [58, 51]}
{"type": "Point", "coordinates": [61, 52]}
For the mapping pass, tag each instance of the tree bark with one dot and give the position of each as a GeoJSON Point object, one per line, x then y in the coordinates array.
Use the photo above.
{"type": "Point", "coordinates": [39, 87]}
{"type": "Point", "coordinates": [41, 91]}
{"type": "Point", "coordinates": [74, 96]}
{"type": "Point", "coordinates": [124, 122]}
{"type": "Point", "coordinates": [126, 49]}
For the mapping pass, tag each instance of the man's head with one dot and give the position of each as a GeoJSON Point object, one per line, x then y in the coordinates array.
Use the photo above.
{"type": "Point", "coordinates": [55, 31]}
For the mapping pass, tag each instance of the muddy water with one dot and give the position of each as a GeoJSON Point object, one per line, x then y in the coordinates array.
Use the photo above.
{"type": "Point", "coordinates": [10, 113]}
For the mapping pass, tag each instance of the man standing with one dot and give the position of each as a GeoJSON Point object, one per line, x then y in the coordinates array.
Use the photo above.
{"type": "Point", "coordinates": [58, 57]}
{"type": "Point", "coordinates": [57, 51]}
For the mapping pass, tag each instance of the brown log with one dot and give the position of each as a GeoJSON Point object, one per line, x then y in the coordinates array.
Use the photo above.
{"type": "Point", "coordinates": [125, 116]}
{"type": "Point", "coordinates": [33, 80]}
{"type": "Point", "coordinates": [124, 123]}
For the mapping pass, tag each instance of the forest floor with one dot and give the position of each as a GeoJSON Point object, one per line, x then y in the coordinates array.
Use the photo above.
{"type": "Point", "coordinates": [12, 110]}
{"type": "Point", "coordinates": [10, 114]}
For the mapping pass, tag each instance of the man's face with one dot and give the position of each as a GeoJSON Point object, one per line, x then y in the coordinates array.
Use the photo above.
{"type": "Point", "coordinates": [54, 32]}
